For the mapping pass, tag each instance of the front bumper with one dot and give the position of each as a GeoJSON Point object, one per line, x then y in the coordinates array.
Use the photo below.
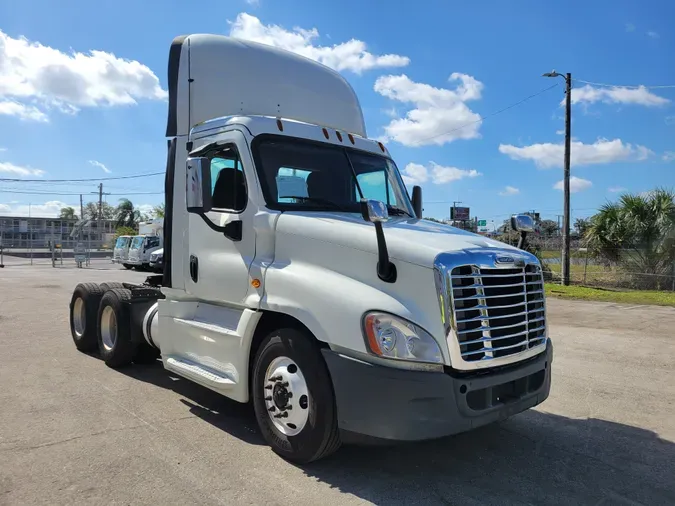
{"type": "Point", "coordinates": [402, 405]}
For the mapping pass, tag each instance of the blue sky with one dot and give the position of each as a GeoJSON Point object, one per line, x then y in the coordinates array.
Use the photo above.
{"type": "Point", "coordinates": [424, 74]}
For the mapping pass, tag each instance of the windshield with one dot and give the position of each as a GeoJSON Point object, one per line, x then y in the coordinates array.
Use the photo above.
{"type": "Point", "coordinates": [137, 242]}
{"type": "Point", "coordinates": [152, 242]}
{"type": "Point", "coordinates": [306, 175]}
{"type": "Point", "coordinates": [122, 242]}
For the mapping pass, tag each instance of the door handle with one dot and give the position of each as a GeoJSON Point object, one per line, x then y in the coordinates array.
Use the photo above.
{"type": "Point", "coordinates": [194, 268]}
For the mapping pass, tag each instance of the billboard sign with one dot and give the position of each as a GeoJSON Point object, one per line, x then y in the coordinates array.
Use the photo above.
{"type": "Point", "coordinates": [459, 213]}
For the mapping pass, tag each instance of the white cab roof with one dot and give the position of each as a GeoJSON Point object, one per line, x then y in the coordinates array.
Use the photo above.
{"type": "Point", "coordinates": [212, 76]}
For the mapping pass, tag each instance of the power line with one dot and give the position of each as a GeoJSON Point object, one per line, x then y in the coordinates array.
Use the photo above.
{"type": "Point", "coordinates": [624, 85]}
{"type": "Point", "coordinates": [7, 180]}
{"type": "Point", "coordinates": [75, 193]}
{"type": "Point", "coordinates": [483, 118]}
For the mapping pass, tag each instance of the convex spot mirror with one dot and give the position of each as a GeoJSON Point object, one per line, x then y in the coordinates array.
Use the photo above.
{"type": "Point", "coordinates": [374, 211]}
{"type": "Point", "coordinates": [522, 223]}
{"type": "Point", "coordinates": [198, 185]}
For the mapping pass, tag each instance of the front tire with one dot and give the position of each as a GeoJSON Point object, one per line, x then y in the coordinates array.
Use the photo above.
{"type": "Point", "coordinates": [300, 427]}
{"type": "Point", "coordinates": [127, 266]}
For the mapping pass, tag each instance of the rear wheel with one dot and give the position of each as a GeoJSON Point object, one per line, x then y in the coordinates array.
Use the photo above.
{"type": "Point", "coordinates": [110, 285]}
{"type": "Point", "coordinates": [83, 312]}
{"type": "Point", "coordinates": [293, 397]}
{"type": "Point", "coordinates": [114, 328]}
{"type": "Point", "coordinates": [127, 266]}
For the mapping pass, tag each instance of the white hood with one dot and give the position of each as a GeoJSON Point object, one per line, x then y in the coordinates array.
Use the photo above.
{"type": "Point", "coordinates": [409, 240]}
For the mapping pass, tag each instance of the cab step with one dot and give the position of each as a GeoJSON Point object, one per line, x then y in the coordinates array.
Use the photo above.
{"type": "Point", "coordinates": [199, 373]}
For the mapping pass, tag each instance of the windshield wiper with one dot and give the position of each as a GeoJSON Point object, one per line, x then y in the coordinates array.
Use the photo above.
{"type": "Point", "coordinates": [318, 200]}
{"type": "Point", "coordinates": [397, 211]}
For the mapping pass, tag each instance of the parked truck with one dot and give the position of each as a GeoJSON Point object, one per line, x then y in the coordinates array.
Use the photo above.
{"type": "Point", "coordinates": [300, 276]}
{"type": "Point", "coordinates": [143, 245]}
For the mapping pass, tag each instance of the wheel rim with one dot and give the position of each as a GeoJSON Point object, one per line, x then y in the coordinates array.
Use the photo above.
{"type": "Point", "coordinates": [108, 328]}
{"type": "Point", "coordinates": [79, 317]}
{"type": "Point", "coordinates": [286, 396]}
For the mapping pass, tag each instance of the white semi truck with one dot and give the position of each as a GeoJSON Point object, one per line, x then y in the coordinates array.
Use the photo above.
{"type": "Point", "coordinates": [299, 275]}
{"type": "Point", "coordinates": [142, 246]}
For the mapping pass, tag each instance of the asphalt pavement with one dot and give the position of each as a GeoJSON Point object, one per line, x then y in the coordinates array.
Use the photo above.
{"type": "Point", "coordinates": [73, 431]}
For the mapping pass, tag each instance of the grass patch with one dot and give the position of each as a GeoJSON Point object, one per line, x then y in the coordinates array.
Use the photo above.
{"type": "Point", "coordinates": [598, 294]}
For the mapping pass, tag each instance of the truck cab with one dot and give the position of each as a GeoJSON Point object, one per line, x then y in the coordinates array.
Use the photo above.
{"type": "Point", "coordinates": [300, 276]}
{"type": "Point", "coordinates": [121, 249]}
{"type": "Point", "coordinates": [141, 249]}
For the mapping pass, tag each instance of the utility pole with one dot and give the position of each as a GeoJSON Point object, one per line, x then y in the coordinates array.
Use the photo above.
{"type": "Point", "coordinates": [566, 183]}
{"type": "Point", "coordinates": [566, 176]}
{"type": "Point", "coordinates": [100, 212]}
{"type": "Point", "coordinates": [81, 208]}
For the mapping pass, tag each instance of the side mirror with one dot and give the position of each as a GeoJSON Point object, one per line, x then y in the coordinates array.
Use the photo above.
{"type": "Point", "coordinates": [374, 211]}
{"type": "Point", "coordinates": [522, 223]}
{"type": "Point", "coordinates": [417, 201]}
{"type": "Point", "coordinates": [198, 185]}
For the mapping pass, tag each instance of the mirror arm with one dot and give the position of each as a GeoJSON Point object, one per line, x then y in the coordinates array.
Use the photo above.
{"type": "Point", "coordinates": [522, 240]}
{"type": "Point", "coordinates": [386, 270]}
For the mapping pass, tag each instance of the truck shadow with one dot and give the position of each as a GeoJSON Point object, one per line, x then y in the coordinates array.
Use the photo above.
{"type": "Point", "coordinates": [532, 458]}
{"type": "Point", "coordinates": [225, 414]}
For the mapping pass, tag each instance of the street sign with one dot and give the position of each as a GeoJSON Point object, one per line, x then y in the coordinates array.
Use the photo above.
{"type": "Point", "coordinates": [482, 223]}
{"type": "Point", "coordinates": [459, 213]}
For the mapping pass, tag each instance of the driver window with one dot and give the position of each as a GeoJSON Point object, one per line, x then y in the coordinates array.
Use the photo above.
{"type": "Point", "coordinates": [227, 180]}
{"type": "Point", "coordinates": [375, 185]}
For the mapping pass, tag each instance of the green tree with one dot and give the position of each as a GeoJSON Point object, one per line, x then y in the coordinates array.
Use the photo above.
{"type": "Point", "coordinates": [67, 213]}
{"type": "Point", "coordinates": [126, 215]}
{"type": "Point", "coordinates": [158, 211]}
{"type": "Point", "coordinates": [638, 232]}
{"type": "Point", "coordinates": [124, 231]}
{"type": "Point", "coordinates": [548, 228]}
{"type": "Point", "coordinates": [581, 226]}
{"type": "Point", "coordinates": [91, 211]}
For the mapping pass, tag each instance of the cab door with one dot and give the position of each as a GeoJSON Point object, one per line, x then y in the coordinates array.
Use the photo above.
{"type": "Point", "coordinates": [221, 242]}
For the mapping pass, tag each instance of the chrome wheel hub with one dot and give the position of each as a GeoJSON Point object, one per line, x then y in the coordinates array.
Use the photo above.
{"type": "Point", "coordinates": [79, 317]}
{"type": "Point", "coordinates": [286, 396]}
{"type": "Point", "coordinates": [108, 328]}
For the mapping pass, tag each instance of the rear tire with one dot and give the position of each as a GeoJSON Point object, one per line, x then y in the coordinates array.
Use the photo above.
{"type": "Point", "coordinates": [114, 328]}
{"type": "Point", "coordinates": [84, 315]}
{"type": "Point", "coordinates": [294, 361]}
{"type": "Point", "coordinates": [110, 285]}
{"type": "Point", "coordinates": [146, 354]}
{"type": "Point", "coordinates": [127, 266]}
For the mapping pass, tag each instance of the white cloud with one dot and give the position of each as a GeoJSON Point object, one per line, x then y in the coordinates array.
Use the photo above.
{"type": "Point", "coordinates": [548, 155]}
{"type": "Point", "coordinates": [146, 209]}
{"type": "Point", "coordinates": [653, 34]}
{"type": "Point", "coordinates": [668, 156]}
{"type": "Point", "coordinates": [16, 170]}
{"type": "Point", "coordinates": [560, 132]}
{"type": "Point", "coordinates": [616, 189]}
{"type": "Point", "coordinates": [253, 2]}
{"type": "Point", "coordinates": [351, 55]}
{"type": "Point", "coordinates": [576, 184]}
{"type": "Point", "coordinates": [51, 209]}
{"type": "Point", "coordinates": [22, 111]}
{"type": "Point", "coordinates": [2, 149]}
{"type": "Point", "coordinates": [617, 95]}
{"type": "Point", "coordinates": [35, 78]}
{"type": "Point", "coordinates": [100, 166]}
{"type": "Point", "coordinates": [630, 27]}
{"type": "Point", "coordinates": [509, 190]}
{"type": "Point", "coordinates": [414, 173]}
{"type": "Point", "coordinates": [438, 116]}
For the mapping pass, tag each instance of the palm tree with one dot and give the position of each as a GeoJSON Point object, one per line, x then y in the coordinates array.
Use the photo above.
{"type": "Point", "coordinates": [126, 215]}
{"type": "Point", "coordinates": [638, 232]}
{"type": "Point", "coordinates": [158, 210]}
{"type": "Point", "coordinates": [67, 213]}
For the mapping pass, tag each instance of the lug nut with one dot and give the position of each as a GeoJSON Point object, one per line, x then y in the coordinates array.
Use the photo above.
{"type": "Point", "coordinates": [276, 378]}
{"type": "Point", "coordinates": [284, 384]}
{"type": "Point", "coordinates": [290, 395]}
{"type": "Point", "coordinates": [273, 408]}
{"type": "Point", "coordinates": [269, 387]}
{"type": "Point", "coordinates": [268, 398]}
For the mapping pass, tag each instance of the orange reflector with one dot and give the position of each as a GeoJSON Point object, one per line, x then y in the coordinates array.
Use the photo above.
{"type": "Point", "coordinates": [351, 138]}
{"type": "Point", "coordinates": [369, 326]}
{"type": "Point", "coordinates": [381, 146]}
{"type": "Point", "coordinates": [339, 136]}
{"type": "Point", "coordinates": [325, 133]}
{"type": "Point", "coordinates": [255, 283]}
{"type": "Point", "coordinates": [280, 126]}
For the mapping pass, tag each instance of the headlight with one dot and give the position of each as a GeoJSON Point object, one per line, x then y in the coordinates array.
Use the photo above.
{"type": "Point", "coordinates": [389, 336]}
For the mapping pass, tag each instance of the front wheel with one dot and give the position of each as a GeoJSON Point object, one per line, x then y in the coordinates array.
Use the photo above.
{"type": "Point", "coordinates": [293, 397]}
{"type": "Point", "coordinates": [127, 266]}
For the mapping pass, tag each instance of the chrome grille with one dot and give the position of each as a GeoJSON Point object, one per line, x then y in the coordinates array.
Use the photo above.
{"type": "Point", "coordinates": [497, 311]}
